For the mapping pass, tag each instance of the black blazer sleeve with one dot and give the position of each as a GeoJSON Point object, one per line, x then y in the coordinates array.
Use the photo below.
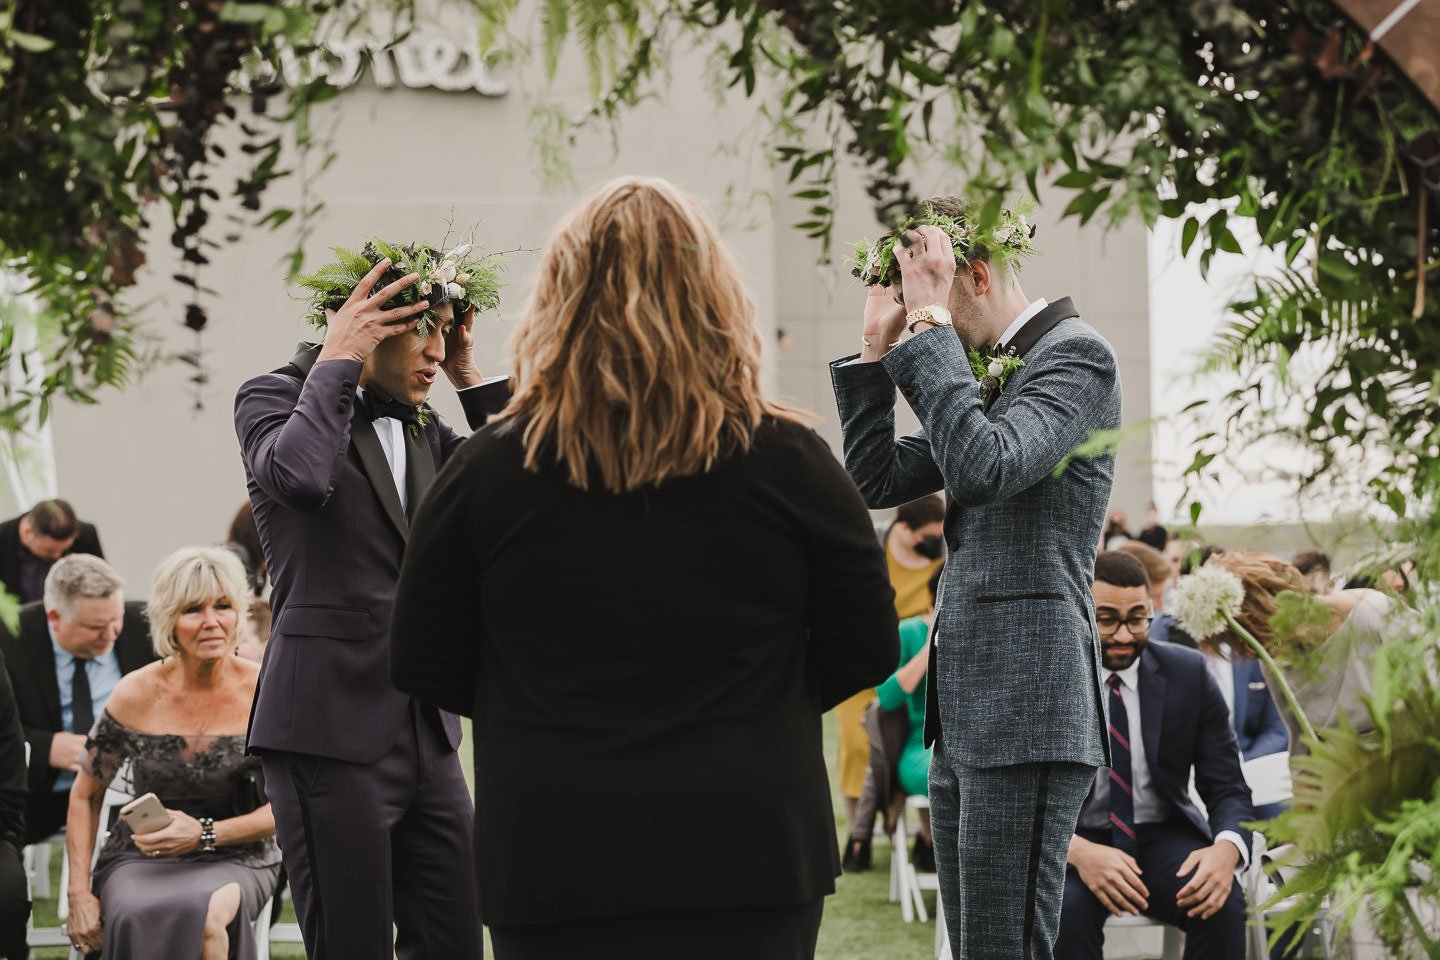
{"type": "Point", "coordinates": [480, 403]}
{"type": "Point", "coordinates": [87, 541]}
{"type": "Point", "coordinates": [854, 631]}
{"type": "Point", "coordinates": [13, 774]}
{"type": "Point", "coordinates": [435, 627]}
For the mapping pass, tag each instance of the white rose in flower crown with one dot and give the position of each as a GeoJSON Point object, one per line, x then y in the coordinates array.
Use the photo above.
{"type": "Point", "coordinates": [1203, 598]}
{"type": "Point", "coordinates": [462, 278]}
{"type": "Point", "coordinates": [445, 272]}
{"type": "Point", "coordinates": [995, 369]}
{"type": "Point", "coordinates": [424, 287]}
{"type": "Point", "coordinates": [1005, 234]}
{"type": "Point", "coordinates": [456, 291]}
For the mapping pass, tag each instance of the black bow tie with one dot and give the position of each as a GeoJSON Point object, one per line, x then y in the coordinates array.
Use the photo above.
{"type": "Point", "coordinates": [377, 406]}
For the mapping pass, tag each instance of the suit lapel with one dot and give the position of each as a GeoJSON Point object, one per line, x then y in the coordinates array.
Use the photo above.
{"type": "Point", "coordinates": [1240, 684]}
{"type": "Point", "coordinates": [377, 469]}
{"type": "Point", "coordinates": [419, 468]}
{"type": "Point", "coordinates": [1152, 712]}
{"type": "Point", "coordinates": [1041, 324]}
{"type": "Point", "coordinates": [35, 632]}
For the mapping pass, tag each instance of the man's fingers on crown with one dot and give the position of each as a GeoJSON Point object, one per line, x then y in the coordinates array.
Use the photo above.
{"type": "Point", "coordinates": [362, 291]}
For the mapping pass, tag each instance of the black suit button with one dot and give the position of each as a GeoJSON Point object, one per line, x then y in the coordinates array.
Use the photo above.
{"type": "Point", "coordinates": [347, 386]}
{"type": "Point", "coordinates": [342, 406]}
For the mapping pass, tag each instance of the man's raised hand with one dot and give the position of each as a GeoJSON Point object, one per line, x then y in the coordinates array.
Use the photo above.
{"type": "Point", "coordinates": [357, 328]}
{"type": "Point", "coordinates": [884, 322]}
{"type": "Point", "coordinates": [459, 363]}
{"type": "Point", "coordinates": [927, 266]}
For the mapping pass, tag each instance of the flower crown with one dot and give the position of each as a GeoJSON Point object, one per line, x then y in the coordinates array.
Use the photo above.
{"type": "Point", "coordinates": [1007, 242]}
{"type": "Point", "coordinates": [461, 276]}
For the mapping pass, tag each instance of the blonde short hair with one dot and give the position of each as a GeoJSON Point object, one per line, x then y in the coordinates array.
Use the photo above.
{"type": "Point", "coordinates": [193, 575]}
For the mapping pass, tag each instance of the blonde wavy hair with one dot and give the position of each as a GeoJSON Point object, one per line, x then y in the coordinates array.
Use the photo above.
{"type": "Point", "coordinates": [637, 357]}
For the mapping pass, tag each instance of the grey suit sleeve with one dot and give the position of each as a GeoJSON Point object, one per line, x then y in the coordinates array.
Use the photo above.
{"type": "Point", "coordinates": [293, 446]}
{"type": "Point", "coordinates": [1055, 409]}
{"type": "Point", "coordinates": [888, 471]}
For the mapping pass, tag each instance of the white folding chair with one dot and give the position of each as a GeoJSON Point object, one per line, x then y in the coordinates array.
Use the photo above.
{"type": "Point", "coordinates": [906, 883]}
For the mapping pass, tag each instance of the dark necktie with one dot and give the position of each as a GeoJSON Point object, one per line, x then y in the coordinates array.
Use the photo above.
{"type": "Point", "coordinates": [1122, 794]}
{"type": "Point", "coordinates": [81, 706]}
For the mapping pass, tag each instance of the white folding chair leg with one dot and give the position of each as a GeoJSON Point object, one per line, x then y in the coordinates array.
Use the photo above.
{"type": "Point", "coordinates": [1174, 943]}
{"type": "Point", "coordinates": [39, 869]}
{"type": "Point", "coordinates": [900, 858]}
{"type": "Point", "coordinates": [62, 909]}
{"type": "Point", "coordinates": [262, 930]}
{"type": "Point", "coordinates": [942, 933]}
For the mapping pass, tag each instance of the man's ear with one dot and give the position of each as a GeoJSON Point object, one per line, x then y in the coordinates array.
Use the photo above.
{"type": "Point", "coordinates": [982, 276]}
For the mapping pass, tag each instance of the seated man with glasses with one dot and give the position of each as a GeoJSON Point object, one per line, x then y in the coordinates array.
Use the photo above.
{"type": "Point", "coordinates": [1142, 846]}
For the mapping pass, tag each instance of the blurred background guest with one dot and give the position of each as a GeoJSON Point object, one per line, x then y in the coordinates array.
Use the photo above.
{"type": "Point", "coordinates": [255, 631]}
{"type": "Point", "coordinates": [71, 651]}
{"type": "Point", "coordinates": [1117, 530]}
{"type": "Point", "coordinates": [194, 887]}
{"type": "Point", "coordinates": [914, 550]}
{"type": "Point", "coordinates": [244, 541]}
{"type": "Point", "coordinates": [728, 589]}
{"type": "Point", "coordinates": [899, 764]}
{"type": "Point", "coordinates": [1329, 670]}
{"type": "Point", "coordinates": [1154, 533]}
{"type": "Point", "coordinates": [32, 542]}
{"type": "Point", "coordinates": [1314, 566]}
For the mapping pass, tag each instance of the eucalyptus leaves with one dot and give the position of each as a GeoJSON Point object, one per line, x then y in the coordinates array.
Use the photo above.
{"type": "Point", "coordinates": [461, 276]}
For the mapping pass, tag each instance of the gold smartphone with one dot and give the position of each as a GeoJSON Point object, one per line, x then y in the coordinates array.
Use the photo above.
{"type": "Point", "coordinates": [145, 814]}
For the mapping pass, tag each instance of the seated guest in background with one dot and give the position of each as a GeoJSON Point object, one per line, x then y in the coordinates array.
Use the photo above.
{"type": "Point", "coordinates": [194, 887]}
{"type": "Point", "coordinates": [255, 631]}
{"type": "Point", "coordinates": [1117, 530]}
{"type": "Point", "coordinates": [1335, 677]}
{"type": "Point", "coordinates": [71, 651]}
{"type": "Point", "coordinates": [727, 590]}
{"type": "Point", "coordinates": [1154, 534]}
{"type": "Point", "coordinates": [907, 761]}
{"type": "Point", "coordinates": [31, 543]}
{"type": "Point", "coordinates": [1157, 572]}
{"type": "Point", "coordinates": [1314, 566]}
{"type": "Point", "coordinates": [1142, 846]}
{"type": "Point", "coordinates": [14, 895]}
{"type": "Point", "coordinates": [914, 550]}
{"type": "Point", "coordinates": [244, 541]}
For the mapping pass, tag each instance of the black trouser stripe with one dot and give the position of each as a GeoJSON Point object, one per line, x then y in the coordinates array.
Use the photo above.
{"type": "Point", "coordinates": [1037, 840]}
{"type": "Point", "coordinates": [317, 909]}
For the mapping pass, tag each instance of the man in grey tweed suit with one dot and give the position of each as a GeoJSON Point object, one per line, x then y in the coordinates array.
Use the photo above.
{"type": "Point", "coordinates": [1014, 695]}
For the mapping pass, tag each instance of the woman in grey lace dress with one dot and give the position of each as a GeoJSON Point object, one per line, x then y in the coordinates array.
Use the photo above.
{"type": "Point", "coordinates": [177, 728]}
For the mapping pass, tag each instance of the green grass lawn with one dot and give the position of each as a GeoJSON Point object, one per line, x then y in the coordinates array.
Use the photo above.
{"type": "Point", "coordinates": [860, 922]}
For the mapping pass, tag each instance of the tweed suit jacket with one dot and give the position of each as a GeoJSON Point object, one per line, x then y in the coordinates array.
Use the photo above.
{"type": "Point", "coordinates": [1014, 671]}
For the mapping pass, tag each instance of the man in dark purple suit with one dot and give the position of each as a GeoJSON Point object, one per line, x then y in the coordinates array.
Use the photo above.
{"type": "Point", "coordinates": [371, 809]}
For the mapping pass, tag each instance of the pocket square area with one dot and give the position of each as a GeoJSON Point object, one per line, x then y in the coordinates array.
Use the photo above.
{"type": "Point", "coordinates": [1257, 684]}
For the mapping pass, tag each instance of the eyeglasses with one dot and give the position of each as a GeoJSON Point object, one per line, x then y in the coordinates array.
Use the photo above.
{"type": "Point", "coordinates": [1138, 624]}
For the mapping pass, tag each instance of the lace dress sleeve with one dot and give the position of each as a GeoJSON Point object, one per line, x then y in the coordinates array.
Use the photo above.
{"type": "Point", "coordinates": [106, 749]}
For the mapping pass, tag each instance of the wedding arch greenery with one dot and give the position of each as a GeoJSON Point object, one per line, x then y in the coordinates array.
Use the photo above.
{"type": "Point", "coordinates": [1268, 118]}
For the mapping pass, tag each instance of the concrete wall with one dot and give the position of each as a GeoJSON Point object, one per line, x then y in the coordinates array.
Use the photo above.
{"type": "Point", "coordinates": [156, 472]}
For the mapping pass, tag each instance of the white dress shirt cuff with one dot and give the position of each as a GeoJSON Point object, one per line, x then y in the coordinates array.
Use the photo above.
{"type": "Point", "coordinates": [1235, 838]}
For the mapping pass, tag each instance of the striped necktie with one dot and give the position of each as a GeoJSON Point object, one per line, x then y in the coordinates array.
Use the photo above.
{"type": "Point", "coordinates": [1122, 796]}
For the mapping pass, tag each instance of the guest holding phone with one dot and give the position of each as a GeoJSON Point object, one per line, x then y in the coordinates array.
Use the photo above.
{"type": "Point", "coordinates": [176, 728]}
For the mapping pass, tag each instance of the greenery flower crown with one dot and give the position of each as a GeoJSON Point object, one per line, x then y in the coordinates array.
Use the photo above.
{"type": "Point", "coordinates": [461, 276]}
{"type": "Point", "coordinates": [1007, 242]}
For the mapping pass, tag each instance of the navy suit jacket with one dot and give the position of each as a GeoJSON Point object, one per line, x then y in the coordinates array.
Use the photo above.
{"type": "Point", "coordinates": [334, 534]}
{"type": "Point", "coordinates": [87, 540]}
{"type": "Point", "coordinates": [1184, 724]}
{"type": "Point", "coordinates": [1258, 725]}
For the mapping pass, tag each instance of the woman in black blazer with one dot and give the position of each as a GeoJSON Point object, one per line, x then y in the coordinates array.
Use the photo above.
{"type": "Point", "coordinates": [645, 583]}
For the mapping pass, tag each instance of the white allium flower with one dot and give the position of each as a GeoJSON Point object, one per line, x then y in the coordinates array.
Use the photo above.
{"type": "Point", "coordinates": [1203, 598]}
{"type": "Point", "coordinates": [996, 368]}
{"type": "Point", "coordinates": [455, 290]}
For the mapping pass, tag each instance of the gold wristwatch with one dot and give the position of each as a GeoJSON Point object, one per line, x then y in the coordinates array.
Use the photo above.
{"type": "Point", "coordinates": [934, 314]}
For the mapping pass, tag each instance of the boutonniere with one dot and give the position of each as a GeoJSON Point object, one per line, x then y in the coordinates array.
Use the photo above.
{"type": "Point", "coordinates": [421, 421]}
{"type": "Point", "coordinates": [993, 371]}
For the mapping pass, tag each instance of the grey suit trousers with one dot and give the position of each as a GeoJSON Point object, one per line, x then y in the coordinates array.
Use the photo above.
{"type": "Point", "coordinates": [1001, 836]}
